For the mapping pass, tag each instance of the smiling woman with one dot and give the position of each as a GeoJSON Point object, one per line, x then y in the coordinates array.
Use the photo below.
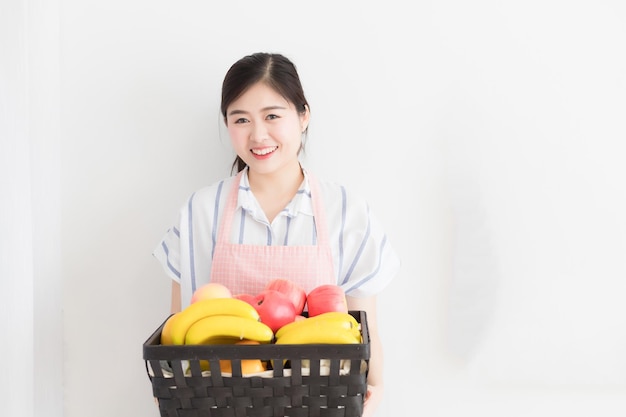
{"type": "Point", "coordinates": [274, 218]}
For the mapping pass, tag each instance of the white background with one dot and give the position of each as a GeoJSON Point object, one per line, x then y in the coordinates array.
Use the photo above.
{"type": "Point", "coordinates": [488, 137]}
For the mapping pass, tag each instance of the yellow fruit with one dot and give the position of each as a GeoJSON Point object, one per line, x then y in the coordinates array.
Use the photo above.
{"type": "Point", "coordinates": [321, 321]}
{"type": "Point", "coordinates": [210, 327]}
{"type": "Point", "coordinates": [206, 308]}
{"type": "Point", "coordinates": [221, 340]}
{"type": "Point", "coordinates": [327, 334]}
{"type": "Point", "coordinates": [166, 332]}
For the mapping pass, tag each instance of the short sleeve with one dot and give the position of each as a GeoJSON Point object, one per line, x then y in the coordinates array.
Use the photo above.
{"type": "Point", "coordinates": [168, 252]}
{"type": "Point", "coordinates": [367, 261]}
{"type": "Point", "coordinates": [185, 251]}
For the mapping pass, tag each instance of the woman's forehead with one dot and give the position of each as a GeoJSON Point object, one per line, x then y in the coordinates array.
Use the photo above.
{"type": "Point", "coordinates": [258, 97]}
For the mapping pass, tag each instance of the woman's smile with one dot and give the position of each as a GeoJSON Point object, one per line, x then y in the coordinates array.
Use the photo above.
{"type": "Point", "coordinates": [265, 152]}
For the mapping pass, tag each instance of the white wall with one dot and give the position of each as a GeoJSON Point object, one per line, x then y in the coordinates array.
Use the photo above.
{"type": "Point", "coordinates": [488, 137]}
{"type": "Point", "coordinates": [31, 321]}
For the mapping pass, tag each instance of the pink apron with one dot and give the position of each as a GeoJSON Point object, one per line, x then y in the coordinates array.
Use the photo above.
{"type": "Point", "coordinates": [245, 269]}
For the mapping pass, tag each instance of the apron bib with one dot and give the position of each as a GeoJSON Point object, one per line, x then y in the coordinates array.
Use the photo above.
{"type": "Point", "coordinates": [246, 269]}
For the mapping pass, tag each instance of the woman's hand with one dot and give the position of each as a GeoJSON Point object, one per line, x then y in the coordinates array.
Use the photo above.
{"type": "Point", "coordinates": [373, 398]}
{"type": "Point", "coordinates": [374, 394]}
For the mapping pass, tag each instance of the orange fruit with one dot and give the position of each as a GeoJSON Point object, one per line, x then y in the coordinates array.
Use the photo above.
{"type": "Point", "coordinates": [248, 366]}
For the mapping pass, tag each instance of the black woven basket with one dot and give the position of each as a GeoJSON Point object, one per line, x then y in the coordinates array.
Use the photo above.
{"type": "Point", "coordinates": [320, 380]}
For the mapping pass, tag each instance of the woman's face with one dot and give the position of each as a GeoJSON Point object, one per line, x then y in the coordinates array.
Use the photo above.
{"type": "Point", "coordinates": [265, 129]}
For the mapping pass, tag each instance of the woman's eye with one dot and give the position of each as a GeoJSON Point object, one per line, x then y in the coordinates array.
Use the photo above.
{"type": "Point", "coordinates": [241, 120]}
{"type": "Point", "coordinates": [272, 116]}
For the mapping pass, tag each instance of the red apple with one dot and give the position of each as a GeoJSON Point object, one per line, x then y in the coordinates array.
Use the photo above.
{"type": "Point", "coordinates": [295, 293]}
{"type": "Point", "coordinates": [210, 290]}
{"type": "Point", "coordinates": [325, 298]}
{"type": "Point", "coordinates": [248, 298]}
{"type": "Point", "coordinates": [275, 309]}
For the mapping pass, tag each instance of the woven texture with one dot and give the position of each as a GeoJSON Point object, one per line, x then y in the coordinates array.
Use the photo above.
{"type": "Point", "coordinates": [316, 380]}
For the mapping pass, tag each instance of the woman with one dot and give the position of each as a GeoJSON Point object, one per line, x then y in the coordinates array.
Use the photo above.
{"type": "Point", "coordinates": [273, 218]}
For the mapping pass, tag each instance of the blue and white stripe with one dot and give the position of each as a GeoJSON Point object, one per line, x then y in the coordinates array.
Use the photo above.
{"type": "Point", "coordinates": [364, 260]}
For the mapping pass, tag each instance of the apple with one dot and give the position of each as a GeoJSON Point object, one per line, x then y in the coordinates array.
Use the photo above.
{"type": "Point", "coordinates": [275, 309]}
{"type": "Point", "coordinates": [295, 293]}
{"type": "Point", "coordinates": [248, 298]}
{"type": "Point", "coordinates": [325, 298]}
{"type": "Point", "coordinates": [210, 290]}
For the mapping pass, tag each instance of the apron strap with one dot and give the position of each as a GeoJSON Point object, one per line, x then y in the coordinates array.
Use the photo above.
{"type": "Point", "coordinates": [319, 214]}
{"type": "Point", "coordinates": [229, 211]}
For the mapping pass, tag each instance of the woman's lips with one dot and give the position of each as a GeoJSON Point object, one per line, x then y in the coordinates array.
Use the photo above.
{"type": "Point", "coordinates": [262, 153]}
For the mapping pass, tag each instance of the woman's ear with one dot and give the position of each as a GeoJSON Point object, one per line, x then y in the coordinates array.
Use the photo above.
{"type": "Point", "coordinates": [304, 118]}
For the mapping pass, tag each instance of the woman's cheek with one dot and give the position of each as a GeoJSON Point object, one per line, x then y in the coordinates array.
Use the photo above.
{"type": "Point", "coordinates": [238, 139]}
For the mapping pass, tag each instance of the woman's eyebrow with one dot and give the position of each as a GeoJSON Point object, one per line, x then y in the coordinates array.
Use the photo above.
{"type": "Point", "coordinates": [233, 112]}
{"type": "Point", "coordinates": [274, 108]}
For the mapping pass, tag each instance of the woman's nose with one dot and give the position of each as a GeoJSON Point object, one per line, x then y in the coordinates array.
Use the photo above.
{"type": "Point", "coordinates": [258, 133]}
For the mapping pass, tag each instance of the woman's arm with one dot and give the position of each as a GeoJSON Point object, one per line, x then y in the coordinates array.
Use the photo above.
{"type": "Point", "coordinates": [375, 374]}
{"type": "Point", "coordinates": [175, 297]}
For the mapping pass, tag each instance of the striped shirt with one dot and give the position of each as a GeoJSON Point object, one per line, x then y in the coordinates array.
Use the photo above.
{"type": "Point", "coordinates": [364, 260]}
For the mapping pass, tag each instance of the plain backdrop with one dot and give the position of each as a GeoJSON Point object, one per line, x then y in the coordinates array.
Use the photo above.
{"type": "Point", "coordinates": [488, 137]}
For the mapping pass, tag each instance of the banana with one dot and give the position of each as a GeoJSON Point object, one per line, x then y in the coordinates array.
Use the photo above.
{"type": "Point", "coordinates": [182, 321]}
{"type": "Point", "coordinates": [166, 332]}
{"type": "Point", "coordinates": [320, 332]}
{"type": "Point", "coordinates": [332, 318]}
{"type": "Point", "coordinates": [221, 340]}
{"type": "Point", "coordinates": [211, 327]}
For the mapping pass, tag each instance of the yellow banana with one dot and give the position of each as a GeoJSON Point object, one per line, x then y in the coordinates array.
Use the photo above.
{"type": "Point", "coordinates": [332, 318]}
{"type": "Point", "coordinates": [330, 333]}
{"type": "Point", "coordinates": [211, 327]}
{"type": "Point", "coordinates": [320, 332]}
{"type": "Point", "coordinates": [166, 332]}
{"type": "Point", "coordinates": [221, 340]}
{"type": "Point", "coordinates": [331, 329]}
{"type": "Point", "coordinates": [182, 321]}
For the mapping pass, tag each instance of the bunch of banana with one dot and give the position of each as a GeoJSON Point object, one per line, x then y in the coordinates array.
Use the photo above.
{"type": "Point", "coordinates": [326, 328]}
{"type": "Point", "coordinates": [215, 321]}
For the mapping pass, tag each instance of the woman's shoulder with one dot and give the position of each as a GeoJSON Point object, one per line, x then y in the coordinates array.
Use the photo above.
{"type": "Point", "coordinates": [214, 189]}
{"type": "Point", "coordinates": [338, 195]}
{"type": "Point", "coordinates": [208, 195]}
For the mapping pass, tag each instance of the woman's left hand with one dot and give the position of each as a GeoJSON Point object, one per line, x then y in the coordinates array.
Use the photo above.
{"type": "Point", "coordinates": [372, 399]}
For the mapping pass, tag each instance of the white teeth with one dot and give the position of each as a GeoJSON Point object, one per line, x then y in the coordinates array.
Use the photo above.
{"type": "Point", "coordinates": [264, 151]}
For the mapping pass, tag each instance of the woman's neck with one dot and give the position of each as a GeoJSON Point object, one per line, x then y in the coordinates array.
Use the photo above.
{"type": "Point", "coordinates": [275, 190]}
{"type": "Point", "coordinates": [277, 182]}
